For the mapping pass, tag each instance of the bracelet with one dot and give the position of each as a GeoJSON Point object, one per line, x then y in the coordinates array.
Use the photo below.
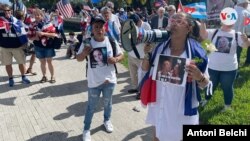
{"type": "Point", "coordinates": [116, 60]}
{"type": "Point", "coordinates": [202, 79]}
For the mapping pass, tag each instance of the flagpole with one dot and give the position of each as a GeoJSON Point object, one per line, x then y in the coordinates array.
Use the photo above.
{"type": "Point", "coordinates": [181, 6]}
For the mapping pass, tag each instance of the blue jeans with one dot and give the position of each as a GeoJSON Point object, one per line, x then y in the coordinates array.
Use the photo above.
{"type": "Point", "coordinates": [93, 99]}
{"type": "Point", "coordinates": [238, 51]}
{"type": "Point", "coordinates": [248, 56]}
{"type": "Point", "coordinates": [226, 79]}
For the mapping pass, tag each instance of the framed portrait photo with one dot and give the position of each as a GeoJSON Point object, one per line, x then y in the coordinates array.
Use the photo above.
{"type": "Point", "coordinates": [170, 69]}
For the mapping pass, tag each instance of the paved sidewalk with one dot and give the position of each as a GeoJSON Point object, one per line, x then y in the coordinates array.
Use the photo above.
{"type": "Point", "coordinates": [55, 112]}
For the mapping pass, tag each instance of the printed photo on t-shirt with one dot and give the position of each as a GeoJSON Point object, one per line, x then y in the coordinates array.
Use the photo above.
{"type": "Point", "coordinates": [223, 44]}
{"type": "Point", "coordinates": [170, 70]}
{"type": "Point", "coordinates": [98, 57]}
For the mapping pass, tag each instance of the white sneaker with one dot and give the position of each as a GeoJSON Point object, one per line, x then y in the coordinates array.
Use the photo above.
{"type": "Point", "coordinates": [86, 135]}
{"type": "Point", "coordinates": [108, 125]}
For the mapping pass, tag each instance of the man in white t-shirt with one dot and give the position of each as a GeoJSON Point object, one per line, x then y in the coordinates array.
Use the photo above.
{"type": "Point", "coordinates": [100, 79]}
{"type": "Point", "coordinates": [134, 62]}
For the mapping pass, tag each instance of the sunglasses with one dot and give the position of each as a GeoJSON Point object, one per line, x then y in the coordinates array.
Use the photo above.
{"type": "Point", "coordinates": [178, 21]}
{"type": "Point", "coordinates": [7, 10]}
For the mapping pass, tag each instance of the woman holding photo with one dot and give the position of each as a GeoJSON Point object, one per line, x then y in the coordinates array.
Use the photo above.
{"type": "Point", "coordinates": [176, 105]}
{"type": "Point", "coordinates": [223, 64]}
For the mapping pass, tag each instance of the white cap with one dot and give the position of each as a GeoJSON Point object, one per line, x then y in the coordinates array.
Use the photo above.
{"type": "Point", "coordinates": [121, 9]}
{"type": "Point", "coordinates": [242, 1]}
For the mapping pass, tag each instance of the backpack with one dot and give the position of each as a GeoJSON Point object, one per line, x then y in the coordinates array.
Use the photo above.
{"type": "Point", "coordinates": [215, 32]}
{"type": "Point", "coordinates": [113, 45]}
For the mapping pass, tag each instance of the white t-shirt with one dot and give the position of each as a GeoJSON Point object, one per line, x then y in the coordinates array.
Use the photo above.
{"type": "Point", "coordinates": [97, 75]}
{"type": "Point", "coordinates": [140, 46]}
{"type": "Point", "coordinates": [225, 59]}
{"type": "Point", "coordinates": [72, 41]}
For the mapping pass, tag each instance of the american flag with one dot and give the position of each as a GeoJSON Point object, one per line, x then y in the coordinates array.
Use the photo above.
{"type": "Point", "coordinates": [20, 6]}
{"type": "Point", "coordinates": [65, 8]}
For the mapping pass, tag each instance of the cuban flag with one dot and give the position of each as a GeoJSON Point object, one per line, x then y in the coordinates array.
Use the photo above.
{"type": "Point", "coordinates": [111, 30]}
{"type": "Point", "coordinates": [247, 21]}
{"type": "Point", "coordinates": [4, 24]}
{"type": "Point", "coordinates": [197, 10]}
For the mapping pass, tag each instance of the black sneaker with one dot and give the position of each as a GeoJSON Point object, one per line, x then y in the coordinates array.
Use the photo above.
{"type": "Point", "coordinates": [131, 91]}
{"type": "Point", "coordinates": [11, 82]}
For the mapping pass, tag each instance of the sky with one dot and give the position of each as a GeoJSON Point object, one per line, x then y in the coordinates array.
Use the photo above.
{"type": "Point", "coordinates": [5, 2]}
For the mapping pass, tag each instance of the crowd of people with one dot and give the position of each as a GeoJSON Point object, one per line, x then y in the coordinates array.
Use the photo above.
{"type": "Point", "coordinates": [100, 45]}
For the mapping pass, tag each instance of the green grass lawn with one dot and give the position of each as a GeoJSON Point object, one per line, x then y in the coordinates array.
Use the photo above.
{"type": "Point", "coordinates": [240, 113]}
{"type": "Point", "coordinates": [125, 60]}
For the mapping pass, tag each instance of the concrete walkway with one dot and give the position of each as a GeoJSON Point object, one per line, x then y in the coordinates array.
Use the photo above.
{"type": "Point", "coordinates": [55, 112]}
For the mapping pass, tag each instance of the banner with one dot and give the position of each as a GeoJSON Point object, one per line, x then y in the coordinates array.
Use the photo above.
{"type": "Point", "coordinates": [214, 7]}
{"type": "Point", "coordinates": [95, 1]}
{"type": "Point", "coordinates": [196, 10]}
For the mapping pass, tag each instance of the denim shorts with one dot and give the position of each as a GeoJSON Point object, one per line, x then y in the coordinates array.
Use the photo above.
{"type": "Point", "coordinates": [42, 52]}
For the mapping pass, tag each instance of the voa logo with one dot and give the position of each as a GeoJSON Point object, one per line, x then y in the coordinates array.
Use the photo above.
{"type": "Point", "coordinates": [228, 16]}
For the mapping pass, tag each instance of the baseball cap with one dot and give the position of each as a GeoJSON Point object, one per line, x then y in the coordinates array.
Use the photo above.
{"type": "Point", "coordinates": [97, 19]}
{"type": "Point", "coordinates": [242, 1]}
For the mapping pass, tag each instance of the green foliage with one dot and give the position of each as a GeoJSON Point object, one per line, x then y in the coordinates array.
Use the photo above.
{"type": "Point", "coordinates": [48, 4]}
{"type": "Point", "coordinates": [240, 112]}
{"type": "Point", "coordinates": [125, 60]}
